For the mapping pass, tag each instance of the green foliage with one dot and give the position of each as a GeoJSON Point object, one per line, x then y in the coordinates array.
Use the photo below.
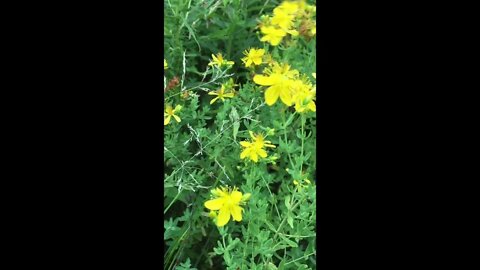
{"type": "Point", "coordinates": [202, 151]}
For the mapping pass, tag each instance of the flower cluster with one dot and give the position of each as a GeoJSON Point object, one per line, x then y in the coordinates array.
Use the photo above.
{"type": "Point", "coordinates": [280, 80]}
{"type": "Point", "coordinates": [287, 84]}
{"type": "Point", "coordinates": [227, 202]}
{"type": "Point", "coordinates": [287, 18]}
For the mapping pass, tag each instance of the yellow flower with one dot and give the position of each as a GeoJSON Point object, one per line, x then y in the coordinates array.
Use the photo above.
{"type": "Point", "coordinates": [289, 7]}
{"type": "Point", "coordinates": [169, 112]}
{"type": "Point", "coordinates": [254, 149]}
{"type": "Point", "coordinates": [283, 82]}
{"type": "Point", "coordinates": [165, 65]}
{"type": "Point", "coordinates": [304, 102]}
{"type": "Point", "coordinates": [284, 69]}
{"type": "Point", "coordinates": [253, 56]}
{"type": "Point", "coordinates": [304, 96]}
{"type": "Point", "coordinates": [220, 94]}
{"type": "Point", "coordinates": [219, 61]}
{"type": "Point", "coordinates": [272, 34]}
{"type": "Point", "coordinates": [227, 202]}
{"type": "Point", "coordinates": [279, 87]}
{"type": "Point", "coordinates": [282, 18]}
{"type": "Point", "coordinates": [259, 139]}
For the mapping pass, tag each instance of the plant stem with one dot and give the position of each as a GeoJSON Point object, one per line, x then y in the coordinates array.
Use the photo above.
{"type": "Point", "coordinates": [305, 256]}
{"type": "Point", "coordinates": [204, 247]}
{"type": "Point", "coordinates": [285, 138]}
{"type": "Point", "coordinates": [264, 5]}
{"type": "Point", "coordinates": [303, 138]}
{"type": "Point", "coordinates": [271, 194]}
{"type": "Point", "coordinates": [174, 200]}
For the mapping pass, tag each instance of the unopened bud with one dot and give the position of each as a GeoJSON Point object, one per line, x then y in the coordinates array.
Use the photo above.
{"type": "Point", "coordinates": [246, 196]}
{"type": "Point", "coordinates": [270, 131]}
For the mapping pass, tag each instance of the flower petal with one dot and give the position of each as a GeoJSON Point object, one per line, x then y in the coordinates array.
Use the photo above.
{"type": "Point", "coordinates": [254, 156]}
{"type": "Point", "coordinates": [219, 192]}
{"type": "Point", "coordinates": [245, 144]}
{"type": "Point", "coordinates": [294, 33]}
{"type": "Point", "coordinates": [262, 153]}
{"type": "Point", "coordinates": [263, 80]}
{"type": "Point", "coordinates": [166, 120]}
{"type": "Point", "coordinates": [271, 95]}
{"type": "Point", "coordinates": [237, 213]}
{"type": "Point", "coordinates": [177, 118]}
{"type": "Point", "coordinates": [312, 106]}
{"type": "Point", "coordinates": [269, 145]}
{"type": "Point", "coordinates": [215, 204]}
{"type": "Point", "coordinates": [276, 40]}
{"type": "Point", "coordinates": [223, 217]}
{"type": "Point", "coordinates": [285, 96]}
{"type": "Point", "coordinates": [245, 153]}
{"type": "Point", "coordinates": [236, 196]}
{"type": "Point", "coordinates": [213, 100]}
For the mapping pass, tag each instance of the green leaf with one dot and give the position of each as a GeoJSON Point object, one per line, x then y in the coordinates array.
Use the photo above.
{"type": "Point", "coordinates": [185, 266]}
{"type": "Point", "coordinates": [218, 251]}
{"type": "Point", "coordinates": [280, 246]}
{"type": "Point", "coordinates": [271, 266]}
{"type": "Point", "coordinates": [290, 220]}
{"type": "Point", "coordinates": [287, 202]}
{"type": "Point", "coordinates": [289, 121]}
{"type": "Point", "coordinates": [276, 124]}
{"type": "Point", "coordinates": [232, 244]}
{"type": "Point", "coordinates": [228, 258]}
{"type": "Point", "coordinates": [288, 241]}
{"type": "Point", "coordinates": [299, 134]}
{"type": "Point", "coordinates": [234, 117]}
{"type": "Point", "coordinates": [270, 226]}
